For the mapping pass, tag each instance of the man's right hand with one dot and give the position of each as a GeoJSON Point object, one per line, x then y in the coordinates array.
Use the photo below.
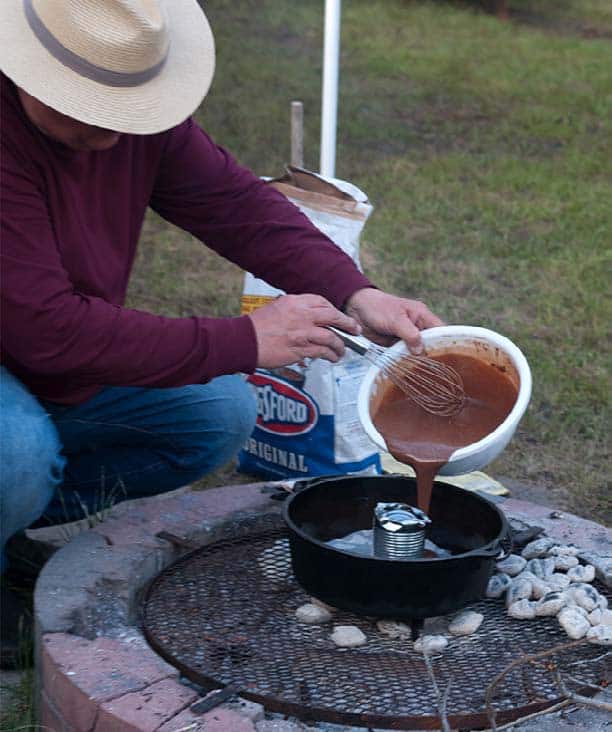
{"type": "Point", "coordinates": [293, 328]}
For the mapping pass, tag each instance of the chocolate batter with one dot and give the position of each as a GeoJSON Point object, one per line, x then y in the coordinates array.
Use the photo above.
{"type": "Point", "coordinates": [426, 441]}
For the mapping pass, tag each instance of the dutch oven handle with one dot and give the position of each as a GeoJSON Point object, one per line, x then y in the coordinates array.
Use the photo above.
{"type": "Point", "coordinates": [303, 483]}
{"type": "Point", "coordinates": [502, 550]}
{"type": "Point", "coordinates": [282, 489]}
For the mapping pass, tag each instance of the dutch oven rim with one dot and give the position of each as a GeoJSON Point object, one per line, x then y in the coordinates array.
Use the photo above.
{"type": "Point", "coordinates": [490, 550]}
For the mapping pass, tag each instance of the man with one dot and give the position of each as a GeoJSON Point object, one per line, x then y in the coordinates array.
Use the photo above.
{"type": "Point", "coordinates": [96, 104]}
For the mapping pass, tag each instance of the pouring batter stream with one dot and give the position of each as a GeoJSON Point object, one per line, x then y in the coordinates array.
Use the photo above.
{"type": "Point", "coordinates": [426, 441]}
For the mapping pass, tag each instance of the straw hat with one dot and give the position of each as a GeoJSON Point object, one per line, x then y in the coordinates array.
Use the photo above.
{"type": "Point", "coordinates": [139, 66]}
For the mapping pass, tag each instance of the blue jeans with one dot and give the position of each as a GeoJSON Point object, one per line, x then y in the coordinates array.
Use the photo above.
{"type": "Point", "coordinates": [58, 463]}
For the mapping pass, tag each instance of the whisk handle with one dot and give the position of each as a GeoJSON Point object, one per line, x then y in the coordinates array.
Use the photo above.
{"type": "Point", "coordinates": [355, 343]}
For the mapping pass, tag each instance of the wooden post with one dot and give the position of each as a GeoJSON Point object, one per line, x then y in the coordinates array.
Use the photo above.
{"type": "Point", "coordinates": [297, 134]}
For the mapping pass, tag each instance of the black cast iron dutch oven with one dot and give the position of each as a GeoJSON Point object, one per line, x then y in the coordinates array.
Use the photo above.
{"type": "Point", "coordinates": [471, 527]}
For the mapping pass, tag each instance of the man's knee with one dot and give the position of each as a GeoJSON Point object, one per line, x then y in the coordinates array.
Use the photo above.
{"type": "Point", "coordinates": [239, 412]}
{"type": "Point", "coordinates": [31, 464]}
{"type": "Point", "coordinates": [228, 414]}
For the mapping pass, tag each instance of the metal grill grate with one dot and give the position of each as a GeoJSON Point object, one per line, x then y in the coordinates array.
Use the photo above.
{"type": "Point", "coordinates": [225, 614]}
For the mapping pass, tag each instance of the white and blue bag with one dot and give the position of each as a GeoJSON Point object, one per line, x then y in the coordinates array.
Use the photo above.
{"type": "Point", "coordinates": [307, 421]}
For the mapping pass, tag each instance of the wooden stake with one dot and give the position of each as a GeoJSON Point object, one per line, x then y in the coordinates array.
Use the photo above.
{"type": "Point", "coordinates": [297, 134]}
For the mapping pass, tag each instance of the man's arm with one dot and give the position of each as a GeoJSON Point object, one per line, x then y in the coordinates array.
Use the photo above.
{"type": "Point", "coordinates": [49, 328]}
{"type": "Point", "coordinates": [202, 189]}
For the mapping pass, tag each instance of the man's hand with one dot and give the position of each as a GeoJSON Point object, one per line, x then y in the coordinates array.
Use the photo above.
{"type": "Point", "coordinates": [385, 318]}
{"type": "Point", "coordinates": [293, 328]}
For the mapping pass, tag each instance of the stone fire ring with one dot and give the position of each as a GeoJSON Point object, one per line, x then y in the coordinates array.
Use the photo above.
{"type": "Point", "coordinates": [96, 673]}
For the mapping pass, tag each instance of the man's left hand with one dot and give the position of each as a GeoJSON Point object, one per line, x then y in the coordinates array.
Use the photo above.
{"type": "Point", "coordinates": [385, 318]}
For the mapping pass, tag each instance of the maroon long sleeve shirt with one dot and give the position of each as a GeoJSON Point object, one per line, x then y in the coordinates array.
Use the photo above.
{"type": "Point", "coordinates": [70, 226]}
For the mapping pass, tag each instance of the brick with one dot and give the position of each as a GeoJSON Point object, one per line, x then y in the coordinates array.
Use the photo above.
{"type": "Point", "coordinates": [225, 501]}
{"type": "Point", "coordinates": [146, 710]}
{"type": "Point", "coordinates": [71, 702]}
{"type": "Point", "coordinates": [64, 583]}
{"type": "Point", "coordinates": [246, 708]}
{"type": "Point", "coordinates": [569, 529]}
{"type": "Point", "coordinates": [88, 586]}
{"type": "Point", "coordinates": [279, 725]}
{"type": "Point", "coordinates": [186, 720]}
{"type": "Point", "coordinates": [136, 529]}
{"type": "Point", "coordinates": [175, 512]}
{"type": "Point", "coordinates": [78, 674]}
{"type": "Point", "coordinates": [121, 575]}
{"type": "Point", "coordinates": [217, 720]}
{"type": "Point", "coordinates": [51, 718]}
{"type": "Point", "coordinates": [120, 554]}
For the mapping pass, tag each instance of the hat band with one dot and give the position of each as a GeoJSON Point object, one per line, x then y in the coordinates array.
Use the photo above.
{"type": "Point", "coordinates": [82, 66]}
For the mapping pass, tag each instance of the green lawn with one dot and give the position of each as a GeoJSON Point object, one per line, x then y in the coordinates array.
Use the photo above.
{"type": "Point", "coordinates": [485, 148]}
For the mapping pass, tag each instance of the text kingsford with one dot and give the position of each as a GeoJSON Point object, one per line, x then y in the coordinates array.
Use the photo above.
{"type": "Point", "coordinates": [281, 408]}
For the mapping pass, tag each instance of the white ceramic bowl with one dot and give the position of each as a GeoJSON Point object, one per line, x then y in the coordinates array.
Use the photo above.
{"type": "Point", "coordinates": [481, 343]}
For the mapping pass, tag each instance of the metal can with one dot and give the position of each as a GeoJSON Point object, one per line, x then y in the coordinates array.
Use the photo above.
{"type": "Point", "coordinates": [399, 531]}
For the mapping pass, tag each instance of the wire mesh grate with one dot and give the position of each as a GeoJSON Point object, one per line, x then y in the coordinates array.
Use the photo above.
{"type": "Point", "coordinates": [225, 614]}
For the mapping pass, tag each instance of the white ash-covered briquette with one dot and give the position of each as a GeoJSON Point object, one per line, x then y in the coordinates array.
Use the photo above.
{"type": "Point", "coordinates": [606, 617]}
{"type": "Point", "coordinates": [512, 565]}
{"type": "Point", "coordinates": [522, 609]}
{"type": "Point", "coordinates": [574, 623]}
{"type": "Point", "coordinates": [578, 609]}
{"type": "Point", "coordinates": [568, 550]}
{"type": "Point", "coordinates": [584, 595]}
{"type": "Point", "coordinates": [539, 587]}
{"type": "Point", "coordinates": [465, 623]}
{"type": "Point", "coordinates": [348, 636]}
{"type": "Point", "coordinates": [558, 581]}
{"type": "Point", "coordinates": [498, 584]}
{"type": "Point", "coordinates": [538, 547]}
{"type": "Point", "coordinates": [525, 575]}
{"type": "Point", "coordinates": [581, 573]}
{"type": "Point", "coordinates": [315, 601]}
{"type": "Point", "coordinates": [551, 604]}
{"type": "Point", "coordinates": [601, 635]}
{"type": "Point", "coordinates": [552, 582]}
{"type": "Point", "coordinates": [595, 616]}
{"type": "Point", "coordinates": [312, 614]}
{"type": "Point", "coordinates": [563, 562]}
{"type": "Point", "coordinates": [518, 590]}
{"type": "Point", "coordinates": [394, 629]}
{"type": "Point", "coordinates": [430, 644]}
{"type": "Point", "coordinates": [574, 586]}
{"type": "Point", "coordinates": [602, 563]}
{"type": "Point", "coordinates": [600, 617]}
{"type": "Point", "coordinates": [542, 567]}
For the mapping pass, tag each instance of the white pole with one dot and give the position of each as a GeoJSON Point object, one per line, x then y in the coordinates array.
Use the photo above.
{"type": "Point", "coordinates": [329, 102]}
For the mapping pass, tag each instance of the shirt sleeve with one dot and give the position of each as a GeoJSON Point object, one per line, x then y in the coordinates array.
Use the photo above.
{"type": "Point", "coordinates": [51, 329]}
{"type": "Point", "coordinates": [202, 189]}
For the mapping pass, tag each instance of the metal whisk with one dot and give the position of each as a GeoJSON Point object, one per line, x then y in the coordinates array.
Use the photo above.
{"type": "Point", "coordinates": [434, 386]}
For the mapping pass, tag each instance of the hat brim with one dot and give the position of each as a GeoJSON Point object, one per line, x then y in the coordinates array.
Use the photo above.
{"type": "Point", "coordinates": [157, 105]}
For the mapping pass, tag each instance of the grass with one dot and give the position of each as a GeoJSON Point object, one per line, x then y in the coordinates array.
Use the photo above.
{"type": "Point", "coordinates": [17, 699]}
{"type": "Point", "coordinates": [17, 707]}
{"type": "Point", "coordinates": [485, 149]}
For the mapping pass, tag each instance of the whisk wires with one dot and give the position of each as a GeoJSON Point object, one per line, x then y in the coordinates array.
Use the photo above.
{"type": "Point", "coordinates": [435, 387]}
